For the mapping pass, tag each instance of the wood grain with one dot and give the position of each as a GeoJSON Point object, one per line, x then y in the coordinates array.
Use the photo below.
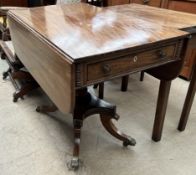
{"type": "Point", "coordinates": [48, 67]}
{"type": "Point", "coordinates": [83, 31]}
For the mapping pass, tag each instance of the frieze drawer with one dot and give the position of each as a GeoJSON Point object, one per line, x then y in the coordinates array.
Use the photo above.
{"type": "Point", "coordinates": [96, 71]}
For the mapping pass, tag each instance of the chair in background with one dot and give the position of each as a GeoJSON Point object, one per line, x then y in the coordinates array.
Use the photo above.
{"type": "Point", "coordinates": [20, 78]}
{"type": "Point", "coordinates": [188, 101]}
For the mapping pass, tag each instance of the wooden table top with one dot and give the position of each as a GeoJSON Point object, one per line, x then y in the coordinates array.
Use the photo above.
{"type": "Point", "coordinates": [160, 16]}
{"type": "Point", "coordinates": [83, 31]}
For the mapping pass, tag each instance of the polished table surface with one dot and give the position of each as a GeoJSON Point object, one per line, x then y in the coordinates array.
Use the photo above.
{"type": "Point", "coordinates": [94, 30]}
{"type": "Point", "coordinates": [69, 47]}
{"type": "Point", "coordinates": [162, 17]}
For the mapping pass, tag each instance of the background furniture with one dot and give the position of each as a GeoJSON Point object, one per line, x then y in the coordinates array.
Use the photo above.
{"type": "Point", "coordinates": [26, 3]}
{"type": "Point", "coordinates": [19, 3]}
{"type": "Point", "coordinates": [20, 78]}
{"type": "Point", "coordinates": [178, 20]}
{"type": "Point", "coordinates": [188, 102]}
{"type": "Point", "coordinates": [190, 7]}
{"type": "Point", "coordinates": [178, 5]}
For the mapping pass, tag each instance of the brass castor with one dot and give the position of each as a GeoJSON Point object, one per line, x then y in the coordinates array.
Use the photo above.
{"type": "Point", "coordinates": [5, 75]}
{"type": "Point", "coordinates": [38, 109]}
{"type": "Point", "coordinates": [16, 97]}
{"type": "Point", "coordinates": [74, 164]}
{"type": "Point", "coordinates": [130, 141]}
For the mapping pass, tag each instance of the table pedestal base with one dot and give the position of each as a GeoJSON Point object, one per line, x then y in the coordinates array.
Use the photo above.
{"type": "Point", "coordinates": [86, 106]}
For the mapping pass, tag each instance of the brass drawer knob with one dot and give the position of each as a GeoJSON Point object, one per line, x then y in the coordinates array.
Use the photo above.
{"type": "Point", "coordinates": [135, 58]}
{"type": "Point", "coordinates": [106, 68]}
{"type": "Point", "coordinates": [162, 54]}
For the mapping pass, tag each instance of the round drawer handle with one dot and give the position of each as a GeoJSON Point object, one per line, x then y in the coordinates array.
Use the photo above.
{"type": "Point", "coordinates": [135, 58]}
{"type": "Point", "coordinates": [162, 54]}
{"type": "Point", "coordinates": [106, 68]}
{"type": "Point", "coordinates": [146, 1]}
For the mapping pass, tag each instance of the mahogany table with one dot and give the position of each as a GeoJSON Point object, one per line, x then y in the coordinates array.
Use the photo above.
{"type": "Point", "coordinates": [69, 47]}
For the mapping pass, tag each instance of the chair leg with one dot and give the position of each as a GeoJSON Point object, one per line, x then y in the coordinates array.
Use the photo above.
{"type": "Point", "coordinates": [24, 90]}
{"type": "Point", "coordinates": [142, 76]}
{"type": "Point", "coordinates": [101, 90]}
{"type": "Point", "coordinates": [95, 86]}
{"type": "Point", "coordinates": [188, 103]}
{"type": "Point", "coordinates": [124, 84]}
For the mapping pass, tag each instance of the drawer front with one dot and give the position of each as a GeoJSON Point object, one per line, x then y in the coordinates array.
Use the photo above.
{"type": "Point", "coordinates": [123, 65]}
{"type": "Point", "coordinates": [155, 3]}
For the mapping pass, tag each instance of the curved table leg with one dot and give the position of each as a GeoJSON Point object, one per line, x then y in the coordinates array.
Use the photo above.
{"type": "Point", "coordinates": [111, 128]}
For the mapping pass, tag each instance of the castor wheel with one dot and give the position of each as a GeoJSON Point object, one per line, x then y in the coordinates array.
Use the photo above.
{"type": "Point", "coordinates": [3, 56]}
{"type": "Point", "coordinates": [5, 74]}
{"type": "Point", "coordinates": [15, 99]}
{"type": "Point", "coordinates": [130, 141]}
{"type": "Point", "coordinates": [73, 164]}
{"type": "Point", "coordinates": [38, 109]}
